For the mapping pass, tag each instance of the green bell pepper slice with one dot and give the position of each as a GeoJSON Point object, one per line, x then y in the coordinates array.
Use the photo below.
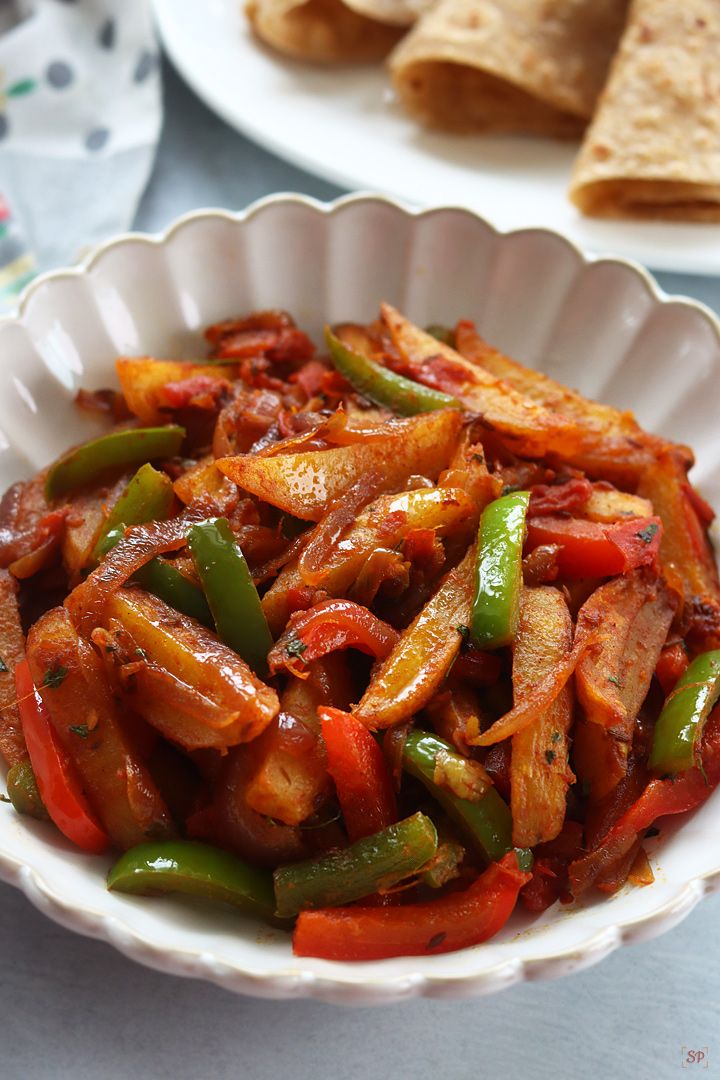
{"type": "Point", "coordinates": [198, 869]}
{"type": "Point", "coordinates": [498, 573]}
{"type": "Point", "coordinates": [678, 732]}
{"type": "Point", "coordinates": [445, 334]}
{"type": "Point", "coordinates": [487, 824]}
{"type": "Point", "coordinates": [374, 862]}
{"type": "Point", "coordinates": [239, 618]}
{"type": "Point", "coordinates": [148, 497]}
{"type": "Point", "coordinates": [382, 386]}
{"type": "Point", "coordinates": [165, 581]}
{"type": "Point", "coordinates": [23, 791]}
{"type": "Point", "coordinates": [118, 449]}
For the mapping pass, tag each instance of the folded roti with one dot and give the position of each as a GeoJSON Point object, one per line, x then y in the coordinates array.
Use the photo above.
{"type": "Point", "coordinates": [532, 66]}
{"type": "Point", "coordinates": [322, 31]}
{"type": "Point", "coordinates": [653, 149]}
{"type": "Point", "coordinates": [397, 12]}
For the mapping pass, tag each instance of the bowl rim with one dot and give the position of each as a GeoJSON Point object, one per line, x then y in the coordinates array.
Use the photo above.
{"type": "Point", "coordinates": [336, 982]}
{"type": "Point", "coordinates": [87, 262]}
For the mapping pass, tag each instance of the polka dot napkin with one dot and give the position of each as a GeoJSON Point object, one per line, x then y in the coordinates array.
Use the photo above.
{"type": "Point", "coordinates": [80, 116]}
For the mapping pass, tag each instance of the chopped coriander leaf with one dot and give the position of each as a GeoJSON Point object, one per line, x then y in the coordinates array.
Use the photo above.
{"type": "Point", "coordinates": [3, 665]}
{"type": "Point", "coordinates": [648, 533]}
{"type": "Point", "coordinates": [463, 630]}
{"type": "Point", "coordinates": [80, 729]}
{"type": "Point", "coordinates": [295, 647]}
{"type": "Point", "coordinates": [614, 678]}
{"type": "Point", "coordinates": [53, 677]}
{"type": "Point", "coordinates": [556, 736]}
{"type": "Point", "coordinates": [141, 653]}
{"type": "Point", "coordinates": [550, 756]}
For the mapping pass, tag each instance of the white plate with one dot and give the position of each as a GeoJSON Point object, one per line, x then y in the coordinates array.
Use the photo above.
{"type": "Point", "coordinates": [340, 124]}
{"type": "Point", "coordinates": [602, 326]}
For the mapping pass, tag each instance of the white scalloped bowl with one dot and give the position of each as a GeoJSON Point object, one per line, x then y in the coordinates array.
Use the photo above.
{"type": "Point", "coordinates": [602, 326]}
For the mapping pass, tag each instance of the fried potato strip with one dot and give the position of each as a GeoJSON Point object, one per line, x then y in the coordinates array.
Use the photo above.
{"type": "Point", "coordinates": [539, 770]}
{"type": "Point", "coordinates": [411, 674]}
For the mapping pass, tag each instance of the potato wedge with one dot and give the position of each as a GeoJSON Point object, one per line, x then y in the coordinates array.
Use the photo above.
{"type": "Point", "coordinates": [205, 481]}
{"type": "Point", "coordinates": [84, 523]}
{"type": "Point", "coordinates": [685, 546]}
{"type": "Point", "coordinates": [612, 447]}
{"type": "Point", "coordinates": [411, 674]}
{"type": "Point", "coordinates": [611, 505]}
{"type": "Point", "coordinates": [180, 677]}
{"type": "Point", "coordinates": [142, 379]}
{"type": "Point", "coordinates": [633, 615]}
{"type": "Point", "coordinates": [528, 425]}
{"type": "Point", "coordinates": [540, 773]}
{"type": "Point", "coordinates": [289, 761]}
{"type": "Point", "coordinates": [540, 388]}
{"type": "Point", "coordinates": [305, 484]}
{"type": "Point", "coordinates": [231, 823]}
{"type": "Point", "coordinates": [93, 732]}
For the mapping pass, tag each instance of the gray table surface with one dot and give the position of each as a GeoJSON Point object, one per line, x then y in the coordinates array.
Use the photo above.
{"type": "Point", "coordinates": [72, 1008]}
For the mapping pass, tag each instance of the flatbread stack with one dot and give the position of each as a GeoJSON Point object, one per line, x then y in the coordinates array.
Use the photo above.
{"type": "Point", "coordinates": [395, 12]}
{"type": "Point", "coordinates": [653, 149]}
{"type": "Point", "coordinates": [640, 78]}
{"type": "Point", "coordinates": [534, 66]}
{"type": "Point", "coordinates": [321, 31]}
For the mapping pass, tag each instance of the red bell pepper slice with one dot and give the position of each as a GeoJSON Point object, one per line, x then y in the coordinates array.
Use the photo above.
{"type": "Point", "coordinates": [362, 780]}
{"type": "Point", "coordinates": [59, 787]}
{"type": "Point", "coordinates": [330, 625]}
{"type": "Point", "coordinates": [673, 663]}
{"type": "Point", "coordinates": [590, 549]}
{"type": "Point", "coordinates": [669, 796]}
{"type": "Point", "coordinates": [456, 921]}
{"type": "Point", "coordinates": [638, 541]}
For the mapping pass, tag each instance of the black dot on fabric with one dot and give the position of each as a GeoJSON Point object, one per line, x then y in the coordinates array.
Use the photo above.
{"type": "Point", "coordinates": [4, 125]}
{"type": "Point", "coordinates": [145, 66]}
{"type": "Point", "coordinates": [106, 37]}
{"type": "Point", "coordinates": [59, 74]}
{"type": "Point", "coordinates": [96, 139]}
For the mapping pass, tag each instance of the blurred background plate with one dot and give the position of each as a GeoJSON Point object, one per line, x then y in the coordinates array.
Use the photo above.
{"type": "Point", "coordinates": [343, 125]}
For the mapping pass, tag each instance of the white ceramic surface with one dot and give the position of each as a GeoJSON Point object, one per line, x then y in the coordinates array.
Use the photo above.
{"type": "Point", "coordinates": [602, 326]}
{"type": "Point", "coordinates": [344, 125]}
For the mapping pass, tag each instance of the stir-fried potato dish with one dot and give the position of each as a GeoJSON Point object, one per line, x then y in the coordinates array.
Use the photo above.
{"type": "Point", "coordinates": [372, 639]}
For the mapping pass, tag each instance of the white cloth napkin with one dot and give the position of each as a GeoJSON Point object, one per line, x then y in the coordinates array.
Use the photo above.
{"type": "Point", "coordinates": [80, 117]}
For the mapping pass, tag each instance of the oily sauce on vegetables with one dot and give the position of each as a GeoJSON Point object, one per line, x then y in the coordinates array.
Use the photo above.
{"type": "Point", "coordinates": [371, 641]}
